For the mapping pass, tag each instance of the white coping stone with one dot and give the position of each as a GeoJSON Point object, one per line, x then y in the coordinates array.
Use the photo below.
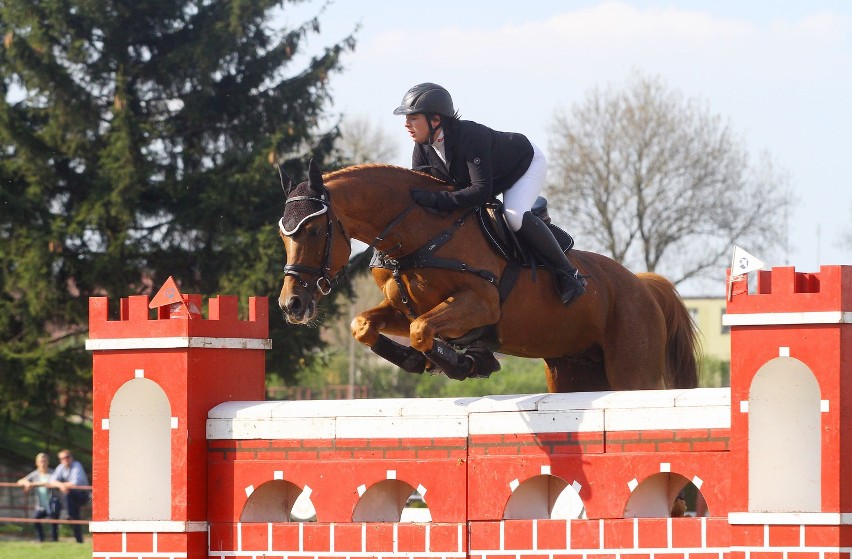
{"type": "Point", "coordinates": [652, 419]}
{"type": "Point", "coordinates": [400, 427]}
{"type": "Point", "coordinates": [566, 421]}
{"type": "Point", "coordinates": [458, 417]}
{"type": "Point", "coordinates": [268, 429]}
{"type": "Point", "coordinates": [113, 344]}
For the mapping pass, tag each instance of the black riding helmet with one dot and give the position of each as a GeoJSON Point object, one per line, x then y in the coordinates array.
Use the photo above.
{"type": "Point", "coordinates": [428, 99]}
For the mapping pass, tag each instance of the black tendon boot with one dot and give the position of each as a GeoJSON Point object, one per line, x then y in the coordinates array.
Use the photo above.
{"type": "Point", "coordinates": [569, 283]}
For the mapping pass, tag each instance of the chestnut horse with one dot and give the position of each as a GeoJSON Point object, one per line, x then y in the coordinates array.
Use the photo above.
{"type": "Point", "coordinates": [626, 332]}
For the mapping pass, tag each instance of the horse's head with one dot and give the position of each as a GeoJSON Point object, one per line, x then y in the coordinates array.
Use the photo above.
{"type": "Point", "coordinates": [317, 248]}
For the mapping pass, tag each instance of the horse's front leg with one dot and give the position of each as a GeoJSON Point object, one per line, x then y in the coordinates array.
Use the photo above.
{"type": "Point", "coordinates": [368, 326]}
{"type": "Point", "coordinates": [452, 318]}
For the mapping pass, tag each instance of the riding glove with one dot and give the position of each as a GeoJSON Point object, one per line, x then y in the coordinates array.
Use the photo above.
{"type": "Point", "coordinates": [429, 199]}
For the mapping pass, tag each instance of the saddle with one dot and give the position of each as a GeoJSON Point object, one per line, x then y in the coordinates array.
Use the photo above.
{"type": "Point", "coordinates": [504, 240]}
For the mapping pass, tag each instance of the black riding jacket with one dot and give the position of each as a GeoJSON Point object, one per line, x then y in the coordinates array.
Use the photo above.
{"type": "Point", "coordinates": [482, 162]}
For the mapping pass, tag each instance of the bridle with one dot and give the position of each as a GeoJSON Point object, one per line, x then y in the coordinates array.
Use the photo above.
{"type": "Point", "coordinates": [325, 280]}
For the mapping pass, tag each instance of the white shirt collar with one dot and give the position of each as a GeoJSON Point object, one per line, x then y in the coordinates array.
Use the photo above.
{"type": "Point", "coordinates": [439, 147]}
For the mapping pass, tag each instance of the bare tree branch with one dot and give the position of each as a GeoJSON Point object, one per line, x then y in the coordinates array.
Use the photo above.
{"type": "Point", "coordinates": [661, 184]}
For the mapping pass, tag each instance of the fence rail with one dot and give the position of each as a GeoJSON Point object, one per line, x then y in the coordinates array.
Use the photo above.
{"type": "Point", "coordinates": [27, 509]}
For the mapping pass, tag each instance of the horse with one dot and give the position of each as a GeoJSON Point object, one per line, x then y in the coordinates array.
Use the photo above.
{"type": "Point", "coordinates": [628, 331]}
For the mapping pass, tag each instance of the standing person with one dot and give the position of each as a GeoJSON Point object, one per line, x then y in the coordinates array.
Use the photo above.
{"type": "Point", "coordinates": [45, 501]}
{"type": "Point", "coordinates": [480, 163]}
{"type": "Point", "coordinates": [66, 477]}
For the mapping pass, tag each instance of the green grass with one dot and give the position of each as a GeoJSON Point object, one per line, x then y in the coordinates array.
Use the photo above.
{"type": "Point", "coordinates": [12, 549]}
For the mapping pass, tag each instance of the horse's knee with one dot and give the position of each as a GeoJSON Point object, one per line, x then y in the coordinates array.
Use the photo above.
{"type": "Point", "coordinates": [363, 331]}
{"type": "Point", "coordinates": [421, 335]}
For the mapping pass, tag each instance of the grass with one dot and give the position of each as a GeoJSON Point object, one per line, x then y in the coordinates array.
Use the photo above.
{"type": "Point", "coordinates": [16, 549]}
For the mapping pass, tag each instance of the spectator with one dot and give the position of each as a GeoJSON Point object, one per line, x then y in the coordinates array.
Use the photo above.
{"type": "Point", "coordinates": [67, 477]}
{"type": "Point", "coordinates": [46, 503]}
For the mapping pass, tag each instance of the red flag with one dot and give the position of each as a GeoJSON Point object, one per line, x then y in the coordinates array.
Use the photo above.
{"type": "Point", "coordinates": [167, 295]}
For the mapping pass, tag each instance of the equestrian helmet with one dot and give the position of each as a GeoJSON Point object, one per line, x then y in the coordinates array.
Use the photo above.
{"type": "Point", "coordinates": [426, 98]}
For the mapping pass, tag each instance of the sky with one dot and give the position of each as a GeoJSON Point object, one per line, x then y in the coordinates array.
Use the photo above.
{"type": "Point", "coordinates": [778, 72]}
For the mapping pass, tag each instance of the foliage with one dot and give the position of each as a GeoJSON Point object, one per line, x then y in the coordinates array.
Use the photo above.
{"type": "Point", "coordinates": [516, 376]}
{"type": "Point", "coordinates": [715, 373]}
{"type": "Point", "coordinates": [20, 442]}
{"type": "Point", "coordinates": [660, 183]}
{"type": "Point", "coordinates": [135, 143]}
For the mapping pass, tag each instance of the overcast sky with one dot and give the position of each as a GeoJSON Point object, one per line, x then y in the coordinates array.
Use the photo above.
{"type": "Point", "coordinates": [779, 72]}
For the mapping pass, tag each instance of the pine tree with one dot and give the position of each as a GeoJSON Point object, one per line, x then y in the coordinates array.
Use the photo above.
{"type": "Point", "coordinates": [135, 143]}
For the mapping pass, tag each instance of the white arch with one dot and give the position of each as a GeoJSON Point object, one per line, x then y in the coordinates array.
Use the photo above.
{"type": "Point", "coordinates": [140, 452]}
{"type": "Point", "coordinates": [784, 442]}
{"type": "Point", "coordinates": [544, 496]}
{"type": "Point", "coordinates": [278, 501]}
{"type": "Point", "coordinates": [384, 502]}
{"type": "Point", "coordinates": [654, 496]}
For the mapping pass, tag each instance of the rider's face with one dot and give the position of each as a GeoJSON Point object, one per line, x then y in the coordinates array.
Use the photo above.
{"type": "Point", "coordinates": [418, 128]}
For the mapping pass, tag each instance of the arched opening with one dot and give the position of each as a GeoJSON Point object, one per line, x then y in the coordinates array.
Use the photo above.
{"type": "Point", "coordinates": [544, 497]}
{"type": "Point", "coordinates": [140, 452]}
{"type": "Point", "coordinates": [415, 509]}
{"type": "Point", "coordinates": [665, 494]}
{"type": "Point", "coordinates": [784, 442]}
{"type": "Point", "coordinates": [278, 501]}
{"type": "Point", "coordinates": [391, 500]}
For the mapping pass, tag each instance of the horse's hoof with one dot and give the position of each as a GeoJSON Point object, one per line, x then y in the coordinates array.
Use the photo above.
{"type": "Point", "coordinates": [484, 362]}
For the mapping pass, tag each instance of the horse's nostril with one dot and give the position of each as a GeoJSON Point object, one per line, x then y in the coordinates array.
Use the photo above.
{"type": "Point", "coordinates": [293, 305]}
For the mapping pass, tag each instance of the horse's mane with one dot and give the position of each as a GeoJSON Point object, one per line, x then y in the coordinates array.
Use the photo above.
{"type": "Point", "coordinates": [366, 167]}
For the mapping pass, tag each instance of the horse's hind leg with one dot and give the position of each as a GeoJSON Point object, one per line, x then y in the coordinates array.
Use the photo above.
{"type": "Point", "coordinates": [576, 374]}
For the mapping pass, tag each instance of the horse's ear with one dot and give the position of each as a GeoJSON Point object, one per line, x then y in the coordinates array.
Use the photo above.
{"type": "Point", "coordinates": [286, 181]}
{"type": "Point", "coordinates": [314, 175]}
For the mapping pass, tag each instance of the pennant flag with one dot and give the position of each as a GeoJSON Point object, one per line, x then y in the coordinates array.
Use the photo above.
{"type": "Point", "coordinates": [167, 295]}
{"type": "Point", "coordinates": [743, 263]}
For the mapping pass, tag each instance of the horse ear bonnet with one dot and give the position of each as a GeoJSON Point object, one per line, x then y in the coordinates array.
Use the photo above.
{"type": "Point", "coordinates": [303, 203]}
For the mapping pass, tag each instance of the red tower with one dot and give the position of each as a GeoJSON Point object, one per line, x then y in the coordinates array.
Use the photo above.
{"type": "Point", "coordinates": [791, 382]}
{"type": "Point", "coordinates": [154, 381]}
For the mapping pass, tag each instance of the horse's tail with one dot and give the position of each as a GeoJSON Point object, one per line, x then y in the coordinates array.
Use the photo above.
{"type": "Point", "coordinates": [683, 347]}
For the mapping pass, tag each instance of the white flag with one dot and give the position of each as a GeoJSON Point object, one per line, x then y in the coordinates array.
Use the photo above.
{"type": "Point", "coordinates": [743, 262]}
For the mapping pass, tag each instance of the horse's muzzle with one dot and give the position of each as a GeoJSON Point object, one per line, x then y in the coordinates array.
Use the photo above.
{"type": "Point", "coordinates": [298, 310]}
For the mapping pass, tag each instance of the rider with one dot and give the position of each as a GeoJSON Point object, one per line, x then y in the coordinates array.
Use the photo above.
{"type": "Point", "coordinates": [480, 163]}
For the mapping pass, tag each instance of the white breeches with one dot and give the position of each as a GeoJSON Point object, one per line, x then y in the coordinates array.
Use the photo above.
{"type": "Point", "coordinates": [520, 197]}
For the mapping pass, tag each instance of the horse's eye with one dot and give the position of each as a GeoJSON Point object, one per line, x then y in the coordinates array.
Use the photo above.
{"type": "Point", "coordinates": [314, 232]}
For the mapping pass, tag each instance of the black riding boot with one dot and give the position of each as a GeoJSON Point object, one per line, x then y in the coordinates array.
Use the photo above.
{"type": "Point", "coordinates": [570, 284]}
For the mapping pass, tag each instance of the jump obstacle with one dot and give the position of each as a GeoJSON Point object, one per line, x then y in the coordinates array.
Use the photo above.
{"type": "Point", "coordinates": [189, 462]}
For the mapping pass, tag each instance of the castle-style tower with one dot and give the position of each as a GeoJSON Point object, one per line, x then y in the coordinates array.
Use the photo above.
{"type": "Point", "coordinates": [791, 412]}
{"type": "Point", "coordinates": [154, 381]}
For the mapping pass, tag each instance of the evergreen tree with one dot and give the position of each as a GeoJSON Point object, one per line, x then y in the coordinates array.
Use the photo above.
{"type": "Point", "coordinates": [136, 142]}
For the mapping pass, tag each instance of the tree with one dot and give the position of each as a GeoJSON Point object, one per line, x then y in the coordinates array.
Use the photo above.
{"type": "Point", "coordinates": [660, 184]}
{"type": "Point", "coordinates": [360, 141]}
{"type": "Point", "coordinates": [135, 143]}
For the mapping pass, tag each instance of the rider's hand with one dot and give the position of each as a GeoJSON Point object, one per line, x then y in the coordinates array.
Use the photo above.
{"type": "Point", "coordinates": [425, 198]}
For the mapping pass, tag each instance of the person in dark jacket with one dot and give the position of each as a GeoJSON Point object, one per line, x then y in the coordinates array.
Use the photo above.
{"type": "Point", "coordinates": [481, 163]}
